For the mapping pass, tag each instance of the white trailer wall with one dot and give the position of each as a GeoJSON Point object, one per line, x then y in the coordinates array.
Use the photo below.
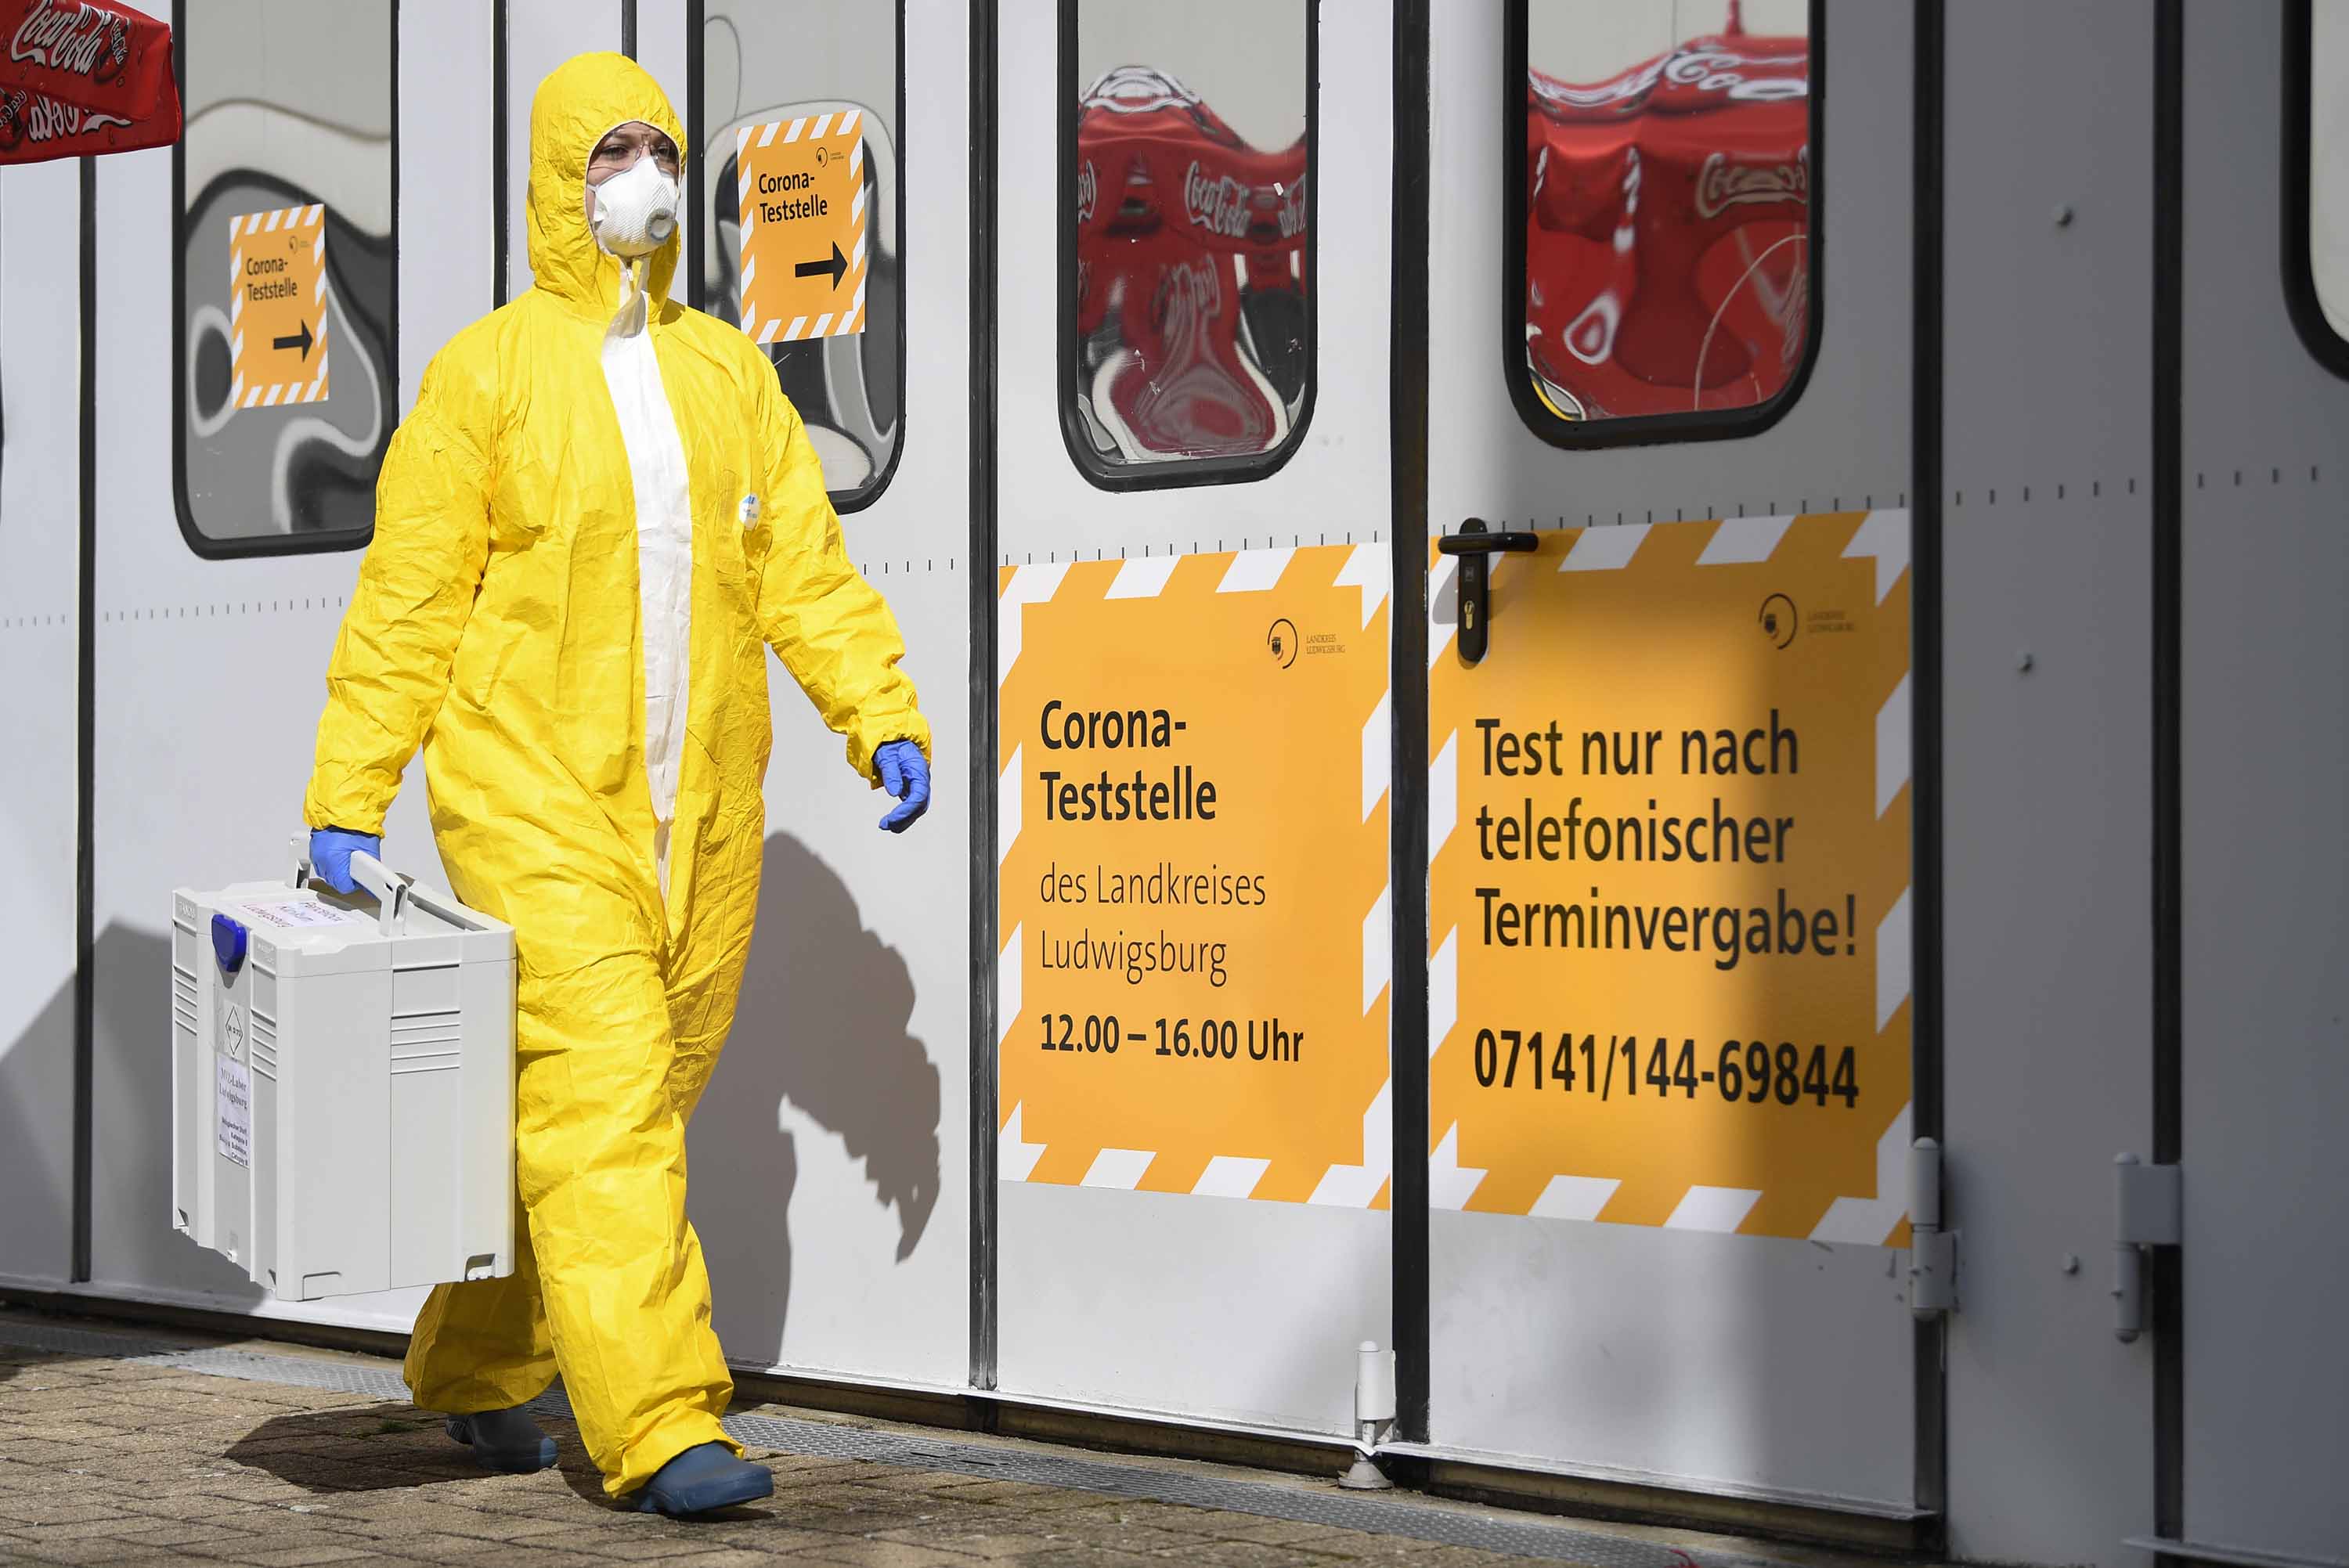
{"type": "Point", "coordinates": [831, 1156]}
{"type": "Point", "coordinates": [842, 1103]}
{"type": "Point", "coordinates": [40, 534]}
{"type": "Point", "coordinates": [2047, 734]}
{"type": "Point", "coordinates": [1739, 1365]}
{"type": "Point", "coordinates": [2265, 741]}
{"type": "Point", "coordinates": [1227, 1309]}
{"type": "Point", "coordinates": [217, 666]}
{"type": "Point", "coordinates": [830, 1159]}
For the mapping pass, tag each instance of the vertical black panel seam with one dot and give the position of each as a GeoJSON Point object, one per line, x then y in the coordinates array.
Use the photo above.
{"type": "Point", "coordinates": [628, 28]}
{"type": "Point", "coordinates": [2169, 498]}
{"type": "Point", "coordinates": [1407, 872]}
{"type": "Point", "coordinates": [84, 1045]}
{"type": "Point", "coordinates": [982, 698]}
{"type": "Point", "coordinates": [1926, 966]}
{"type": "Point", "coordinates": [696, 133]}
{"type": "Point", "coordinates": [498, 177]}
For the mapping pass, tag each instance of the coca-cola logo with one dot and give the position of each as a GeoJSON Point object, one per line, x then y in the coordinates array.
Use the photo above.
{"type": "Point", "coordinates": [1292, 209]}
{"type": "Point", "coordinates": [1704, 70]}
{"type": "Point", "coordinates": [32, 117]}
{"type": "Point", "coordinates": [1720, 70]}
{"type": "Point", "coordinates": [80, 39]}
{"type": "Point", "coordinates": [1218, 205]}
{"type": "Point", "coordinates": [1088, 192]}
{"type": "Point", "coordinates": [1721, 184]}
{"type": "Point", "coordinates": [1599, 94]}
{"type": "Point", "coordinates": [1188, 294]}
{"type": "Point", "coordinates": [1138, 89]}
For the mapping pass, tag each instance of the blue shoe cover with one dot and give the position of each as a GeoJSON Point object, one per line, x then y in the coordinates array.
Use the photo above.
{"type": "Point", "coordinates": [701, 1480]}
{"type": "Point", "coordinates": [506, 1440]}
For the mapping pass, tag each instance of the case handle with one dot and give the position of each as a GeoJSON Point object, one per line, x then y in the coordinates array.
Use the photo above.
{"type": "Point", "coordinates": [390, 889]}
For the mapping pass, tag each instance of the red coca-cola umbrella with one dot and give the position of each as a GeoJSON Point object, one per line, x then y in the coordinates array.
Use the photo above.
{"type": "Point", "coordinates": [1190, 275]}
{"type": "Point", "coordinates": [83, 78]}
{"type": "Point", "coordinates": [1668, 228]}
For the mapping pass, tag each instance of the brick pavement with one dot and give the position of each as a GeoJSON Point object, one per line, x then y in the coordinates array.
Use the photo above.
{"type": "Point", "coordinates": [122, 1462]}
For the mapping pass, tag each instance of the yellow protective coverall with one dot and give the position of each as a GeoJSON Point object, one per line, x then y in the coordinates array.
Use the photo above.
{"type": "Point", "coordinates": [496, 622]}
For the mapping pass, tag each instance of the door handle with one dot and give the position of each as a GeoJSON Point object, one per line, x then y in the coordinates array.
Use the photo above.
{"type": "Point", "coordinates": [1473, 544]}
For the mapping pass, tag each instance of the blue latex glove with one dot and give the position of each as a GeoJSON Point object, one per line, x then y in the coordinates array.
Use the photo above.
{"type": "Point", "coordinates": [331, 849]}
{"type": "Point", "coordinates": [905, 774]}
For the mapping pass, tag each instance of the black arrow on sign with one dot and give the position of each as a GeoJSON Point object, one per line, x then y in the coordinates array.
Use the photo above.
{"type": "Point", "coordinates": [837, 267]}
{"type": "Point", "coordinates": [301, 340]}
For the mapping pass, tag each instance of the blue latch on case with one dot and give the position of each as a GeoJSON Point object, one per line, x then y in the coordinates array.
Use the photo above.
{"type": "Point", "coordinates": [228, 945]}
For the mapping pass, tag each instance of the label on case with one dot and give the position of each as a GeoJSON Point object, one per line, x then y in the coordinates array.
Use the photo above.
{"type": "Point", "coordinates": [232, 1097]}
{"type": "Point", "coordinates": [296, 913]}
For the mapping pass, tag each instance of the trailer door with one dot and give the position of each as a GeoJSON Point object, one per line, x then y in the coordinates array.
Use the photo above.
{"type": "Point", "coordinates": [1669, 1095]}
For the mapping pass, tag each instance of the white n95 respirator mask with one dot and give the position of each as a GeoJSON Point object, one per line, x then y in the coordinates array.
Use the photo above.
{"type": "Point", "coordinates": [635, 210]}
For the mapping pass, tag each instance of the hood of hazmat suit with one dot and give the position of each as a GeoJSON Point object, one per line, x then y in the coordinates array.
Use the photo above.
{"type": "Point", "coordinates": [553, 519]}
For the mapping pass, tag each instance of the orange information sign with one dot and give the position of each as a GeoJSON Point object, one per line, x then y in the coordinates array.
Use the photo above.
{"type": "Point", "coordinates": [1193, 979]}
{"type": "Point", "coordinates": [277, 307]}
{"type": "Point", "coordinates": [1669, 894]}
{"type": "Point", "coordinates": [800, 182]}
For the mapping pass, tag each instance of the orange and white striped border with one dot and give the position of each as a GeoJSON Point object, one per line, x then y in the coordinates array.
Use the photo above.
{"type": "Point", "coordinates": [243, 225]}
{"type": "Point", "coordinates": [814, 128]}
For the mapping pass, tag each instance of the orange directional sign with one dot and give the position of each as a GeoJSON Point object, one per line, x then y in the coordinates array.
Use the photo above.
{"type": "Point", "coordinates": [277, 307]}
{"type": "Point", "coordinates": [802, 184]}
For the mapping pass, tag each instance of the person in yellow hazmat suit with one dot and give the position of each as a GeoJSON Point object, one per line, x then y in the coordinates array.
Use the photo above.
{"type": "Point", "coordinates": [600, 514]}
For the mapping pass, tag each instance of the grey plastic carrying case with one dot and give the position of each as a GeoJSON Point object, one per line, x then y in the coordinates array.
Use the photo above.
{"type": "Point", "coordinates": [342, 1083]}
